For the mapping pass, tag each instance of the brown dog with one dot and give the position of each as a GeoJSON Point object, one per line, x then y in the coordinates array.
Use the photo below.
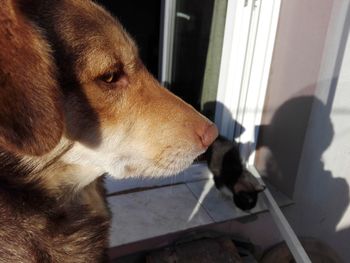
{"type": "Point", "coordinates": [76, 102]}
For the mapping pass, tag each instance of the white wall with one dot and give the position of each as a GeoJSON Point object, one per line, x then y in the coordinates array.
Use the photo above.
{"type": "Point", "coordinates": [297, 58]}
{"type": "Point", "coordinates": [322, 187]}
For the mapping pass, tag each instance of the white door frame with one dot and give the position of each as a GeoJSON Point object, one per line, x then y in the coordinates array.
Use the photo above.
{"type": "Point", "coordinates": [166, 43]}
{"type": "Point", "coordinates": [249, 39]}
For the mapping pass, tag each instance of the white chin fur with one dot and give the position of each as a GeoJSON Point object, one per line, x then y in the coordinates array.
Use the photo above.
{"type": "Point", "coordinates": [123, 168]}
{"type": "Point", "coordinates": [125, 163]}
{"type": "Point", "coordinates": [144, 168]}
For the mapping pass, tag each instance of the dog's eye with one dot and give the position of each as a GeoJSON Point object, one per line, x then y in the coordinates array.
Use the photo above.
{"type": "Point", "coordinates": [111, 77]}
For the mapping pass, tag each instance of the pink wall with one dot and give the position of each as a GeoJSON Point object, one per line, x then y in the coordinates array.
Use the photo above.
{"type": "Point", "coordinates": [294, 74]}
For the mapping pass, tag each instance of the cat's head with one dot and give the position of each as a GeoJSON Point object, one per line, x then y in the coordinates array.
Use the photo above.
{"type": "Point", "coordinates": [246, 190]}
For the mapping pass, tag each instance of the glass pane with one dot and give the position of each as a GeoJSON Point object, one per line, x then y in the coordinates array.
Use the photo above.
{"type": "Point", "coordinates": [199, 30]}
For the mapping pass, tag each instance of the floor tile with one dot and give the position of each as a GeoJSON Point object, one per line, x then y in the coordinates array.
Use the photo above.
{"type": "Point", "coordinates": [221, 207]}
{"type": "Point", "coordinates": [151, 213]}
{"type": "Point", "coordinates": [218, 206]}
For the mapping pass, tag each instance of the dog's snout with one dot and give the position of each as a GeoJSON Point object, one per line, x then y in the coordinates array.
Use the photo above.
{"type": "Point", "coordinates": [208, 134]}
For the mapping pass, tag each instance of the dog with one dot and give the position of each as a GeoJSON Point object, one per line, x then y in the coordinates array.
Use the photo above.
{"type": "Point", "coordinates": [76, 103]}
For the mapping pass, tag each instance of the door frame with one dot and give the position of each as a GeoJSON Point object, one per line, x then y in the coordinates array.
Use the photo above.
{"type": "Point", "coordinates": [166, 41]}
{"type": "Point", "coordinates": [249, 39]}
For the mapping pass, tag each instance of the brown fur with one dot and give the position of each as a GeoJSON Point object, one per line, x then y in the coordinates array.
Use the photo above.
{"type": "Point", "coordinates": [63, 125]}
{"type": "Point", "coordinates": [30, 110]}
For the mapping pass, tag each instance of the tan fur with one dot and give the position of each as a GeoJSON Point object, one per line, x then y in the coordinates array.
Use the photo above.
{"type": "Point", "coordinates": [79, 126]}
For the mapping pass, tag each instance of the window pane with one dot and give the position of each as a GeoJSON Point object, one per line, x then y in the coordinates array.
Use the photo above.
{"type": "Point", "coordinates": [199, 30]}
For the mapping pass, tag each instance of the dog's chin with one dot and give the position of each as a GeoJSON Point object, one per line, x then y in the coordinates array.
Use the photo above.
{"type": "Point", "coordinates": [172, 169]}
{"type": "Point", "coordinates": [150, 169]}
{"type": "Point", "coordinates": [171, 165]}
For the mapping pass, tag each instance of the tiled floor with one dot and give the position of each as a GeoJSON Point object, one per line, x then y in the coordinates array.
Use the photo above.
{"type": "Point", "coordinates": [219, 207]}
{"type": "Point", "coordinates": [156, 212]}
{"type": "Point", "coordinates": [147, 214]}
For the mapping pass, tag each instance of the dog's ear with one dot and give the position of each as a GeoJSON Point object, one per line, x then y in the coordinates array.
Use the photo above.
{"type": "Point", "coordinates": [31, 118]}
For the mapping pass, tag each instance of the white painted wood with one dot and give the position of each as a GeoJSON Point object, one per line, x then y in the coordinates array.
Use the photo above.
{"type": "Point", "coordinates": [282, 224]}
{"type": "Point", "coordinates": [257, 69]}
{"type": "Point", "coordinates": [232, 64]}
{"type": "Point", "coordinates": [330, 60]}
{"type": "Point", "coordinates": [249, 38]}
{"type": "Point", "coordinates": [167, 40]}
{"type": "Point", "coordinates": [247, 76]}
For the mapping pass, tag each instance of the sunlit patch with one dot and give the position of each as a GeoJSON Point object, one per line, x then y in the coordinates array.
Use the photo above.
{"type": "Point", "coordinates": [206, 190]}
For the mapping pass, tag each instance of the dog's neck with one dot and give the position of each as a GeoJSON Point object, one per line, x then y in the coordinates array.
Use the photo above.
{"type": "Point", "coordinates": [50, 172]}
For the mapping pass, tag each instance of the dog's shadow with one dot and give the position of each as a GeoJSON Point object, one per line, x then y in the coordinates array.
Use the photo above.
{"type": "Point", "coordinates": [292, 158]}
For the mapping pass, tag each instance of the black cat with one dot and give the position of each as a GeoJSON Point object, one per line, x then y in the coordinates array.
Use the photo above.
{"type": "Point", "coordinates": [230, 176]}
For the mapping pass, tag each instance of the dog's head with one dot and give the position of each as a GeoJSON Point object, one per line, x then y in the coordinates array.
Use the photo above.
{"type": "Point", "coordinates": [117, 118]}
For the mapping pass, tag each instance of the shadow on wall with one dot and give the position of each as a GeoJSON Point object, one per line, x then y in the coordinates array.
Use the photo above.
{"type": "Point", "coordinates": [280, 143]}
{"type": "Point", "coordinates": [209, 110]}
{"type": "Point", "coordinates": [321, 199]}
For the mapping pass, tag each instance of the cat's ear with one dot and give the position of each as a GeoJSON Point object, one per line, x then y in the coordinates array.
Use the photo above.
{"type": "Point", "coordinates": [259, 188]}
{"type": "Point", "coordinates": [247, 183]}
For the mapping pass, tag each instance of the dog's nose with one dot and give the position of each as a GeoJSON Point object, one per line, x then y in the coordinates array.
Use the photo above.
{"type": "Point", "coordinates": [209, 135]}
